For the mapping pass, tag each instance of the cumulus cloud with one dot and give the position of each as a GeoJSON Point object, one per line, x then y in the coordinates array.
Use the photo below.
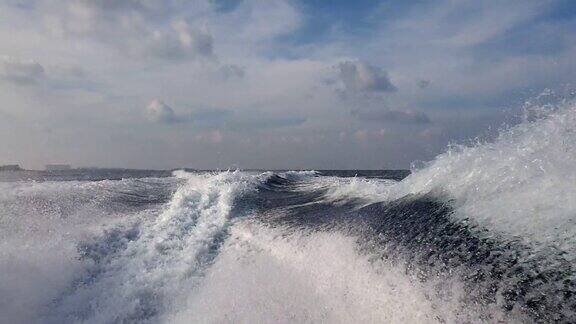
{"type": "Point", "coordinates": [180, 42]}
{"type": "Point", "coordinates": [389, 115]}
{"type": "Point", "coordinates": [149, 28]}
{"type": "Point", "coordinates": [158, 111]}
{"type": "Point", "coordinates": [360, 77]}
{"type": "Point", "coordinates": [21, 71]}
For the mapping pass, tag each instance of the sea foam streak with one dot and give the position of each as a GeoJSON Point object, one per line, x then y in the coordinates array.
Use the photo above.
{"type": "Point", "coordinates": [139, 272]}
{"type": "Point", "coordinates": [136, 268]}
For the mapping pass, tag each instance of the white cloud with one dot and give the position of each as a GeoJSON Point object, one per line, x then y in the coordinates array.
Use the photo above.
{"type": "Point", "coordinates": [150, 28]}
{"type": "Point", "coordinates": [360, 77]}
{"type": "Point", "coordinates": [158, 111]}
{"type": "Point", "coordinates": [255, 21]}
{"type": "Point", "coordinates": [181, 44]}
{"type": "Point", "coordinates": [21, 71]}
{"type": "Point", "coordinates": [443, 40]}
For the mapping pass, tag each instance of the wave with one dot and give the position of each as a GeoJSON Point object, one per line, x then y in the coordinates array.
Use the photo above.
{"type": "Point", "coordinates": [41, 225]}
{"type": "Point", "coordinates": [138, 272]}
{"type": "Point", "coordinates": [498, 215]}
{"type": "Point", "coordinates": [125, 256]}
{"type": "Point", "coordinates": [482, 233]}
{"type": "Point", "coordinates": [343, 190]}
{"type": "Point", "coordinates": [273, 274]}
{"type": "Point", "coordinates": [521, 184]}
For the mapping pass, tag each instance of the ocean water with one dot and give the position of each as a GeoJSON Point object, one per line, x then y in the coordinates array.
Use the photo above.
{"type": "Point", "coordinates": [483, 233]}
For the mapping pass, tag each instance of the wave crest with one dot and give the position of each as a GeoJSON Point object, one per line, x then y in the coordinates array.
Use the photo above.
{"type": "Point", "coordinates": [140, 272]}
{"type": "Point", "coordinates": [522, 184]}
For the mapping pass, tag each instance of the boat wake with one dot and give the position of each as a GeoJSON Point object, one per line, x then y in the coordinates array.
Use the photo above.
{"type": "Point", "coordinates": [483, 233]}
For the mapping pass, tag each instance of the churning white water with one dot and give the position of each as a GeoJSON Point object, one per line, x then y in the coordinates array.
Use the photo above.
{"type": "Point", "coordinates": [178, 249]}
{"type": "Point", "coordinates": [266, 275]}
{"type": "Point", "coordinates": [523, 184]}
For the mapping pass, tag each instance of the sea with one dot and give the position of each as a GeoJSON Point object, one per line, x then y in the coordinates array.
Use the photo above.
{"type": "Point", "coordinates": [484, 233]}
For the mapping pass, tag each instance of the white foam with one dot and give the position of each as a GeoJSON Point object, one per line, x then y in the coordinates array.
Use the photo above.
{"type": "Point", "coordinates": [266, 275]}
{"type": "Point", "coordinates": [144, 280]}
{"type": "Point", "coordinates": [43, 279]}
{"type": "Point", "coordinates": [358, 189]}
{"type": "Point", "coordinates": [40, 226]}
{"type": "Point", "coordinates": [299, 175]}
{"type": "Point", "coordinates": [523, 184]}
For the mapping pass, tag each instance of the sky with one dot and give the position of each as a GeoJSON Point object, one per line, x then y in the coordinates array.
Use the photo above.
{"type": "Point", "coordinates": [270, 84]}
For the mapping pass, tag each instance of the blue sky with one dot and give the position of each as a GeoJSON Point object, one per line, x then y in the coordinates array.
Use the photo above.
{"type": "Point", "coordinates": [270, 84]}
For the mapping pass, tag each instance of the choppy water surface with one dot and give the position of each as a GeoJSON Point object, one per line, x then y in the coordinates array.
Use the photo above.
{"type": "Point", "coordinates": [481, 234]}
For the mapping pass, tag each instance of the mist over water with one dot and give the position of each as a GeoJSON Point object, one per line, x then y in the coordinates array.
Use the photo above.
{"type": "Point", "coordinates": [482, 233]}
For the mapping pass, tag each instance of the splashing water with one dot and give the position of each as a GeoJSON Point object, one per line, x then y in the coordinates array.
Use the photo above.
{"type": "Point", "coordinates": [466, 238]}
{"type": "Point", "coordinates": [138, 272]}
{"type": "Point", "coordinates": [522, 184]}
